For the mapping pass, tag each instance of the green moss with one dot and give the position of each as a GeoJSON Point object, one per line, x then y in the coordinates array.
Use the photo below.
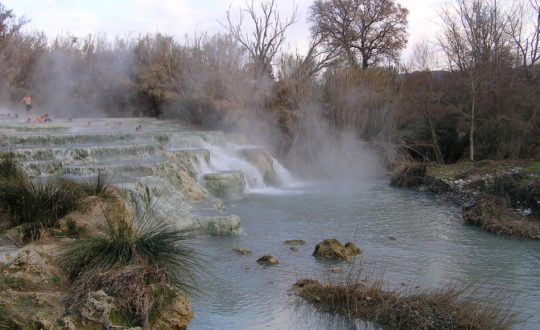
{"type": "Point", "coordinates": [124, 317]}
{"type": "Point", "coordinates": [73, 230]}
{"type": "Point", "coordinates": [12, 282]}
{"type": "Point", "coordinates": [163, 296]}
{"type": "Point", "coordinates": [55, 280]}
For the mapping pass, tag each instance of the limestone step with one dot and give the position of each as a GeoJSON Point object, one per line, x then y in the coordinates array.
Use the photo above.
{"type": "Point", "coordinates": [73, 152]}
{"type": "Point", "coordinates": [66, 139]}
{"type": "Point", "coordinates": [142, 167]}
{"type": "Point", "coordinates": [43, 167]}
{"type": "Point", "coordinates": [191, 153]}
{"type": "Point", "coordinates": [116, 180]}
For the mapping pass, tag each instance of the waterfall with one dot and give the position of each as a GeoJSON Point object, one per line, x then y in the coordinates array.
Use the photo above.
{"type": "Point", "coordinates": [226, 158]}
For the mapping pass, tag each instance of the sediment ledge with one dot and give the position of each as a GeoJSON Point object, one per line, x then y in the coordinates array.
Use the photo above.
{"type": "Point", "coordinates": [500, 197]}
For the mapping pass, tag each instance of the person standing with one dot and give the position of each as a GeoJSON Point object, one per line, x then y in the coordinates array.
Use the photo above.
{"type": "Point", "coordinates": [27, 101]}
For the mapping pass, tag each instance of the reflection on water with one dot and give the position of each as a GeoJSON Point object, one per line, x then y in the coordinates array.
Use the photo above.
{"type": "Point", "coordinates": [431, 248]}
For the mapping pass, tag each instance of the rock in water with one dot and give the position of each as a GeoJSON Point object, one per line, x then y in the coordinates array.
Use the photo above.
{"type": "Point", "coordinates": [336, 270]}
{"type": "Point", "coordinates": [243, 251]}
{"type": "Point", "coordinates": [352, 249]}
{"type": "Point", "coordinates": [333, 249]}
{"type": "Point", "coordinates": [295, 242]}
{"type": "Point", "coordinates": [268, 260]}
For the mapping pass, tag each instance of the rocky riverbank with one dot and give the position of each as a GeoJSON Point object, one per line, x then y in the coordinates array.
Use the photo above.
{"type": "Point", "coordinates": [36, 293]}
{"type": "Point", "coordinates": [500, 197]}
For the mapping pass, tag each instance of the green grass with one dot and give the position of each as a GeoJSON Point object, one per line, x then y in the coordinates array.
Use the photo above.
{"type": "Point", "coordinates": [534, 166]}
{"type": "Point", "coordinates": [55, 280]}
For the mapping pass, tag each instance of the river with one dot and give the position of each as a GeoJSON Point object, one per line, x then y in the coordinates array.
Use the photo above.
{"type": "Point", "coordinates": [412, 238]}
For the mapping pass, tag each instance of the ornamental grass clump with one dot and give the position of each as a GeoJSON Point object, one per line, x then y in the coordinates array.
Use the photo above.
{"type": "Point", "coordinates": [36, 205]}
{"type": "Point", "coordinates": [100, 189]}
{"type": "Point", "coordinates": [136, 256]}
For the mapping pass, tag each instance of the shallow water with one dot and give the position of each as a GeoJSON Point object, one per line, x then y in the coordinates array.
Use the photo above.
{"type": "Point", "coordinates": [432, 248]}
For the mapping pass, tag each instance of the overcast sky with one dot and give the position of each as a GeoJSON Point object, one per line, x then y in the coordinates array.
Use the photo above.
{"type": "Point", "coordinates": [182, 17]}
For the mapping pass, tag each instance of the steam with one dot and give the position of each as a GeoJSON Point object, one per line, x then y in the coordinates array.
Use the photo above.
{"type": "Point", "coordinates": [70, 87]}
{"type": "Point", "coordinates": [207, 82]}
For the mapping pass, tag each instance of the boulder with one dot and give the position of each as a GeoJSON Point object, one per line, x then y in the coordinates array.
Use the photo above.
{"type": "Point", "coordinates": [263, 161]}
{"type": "Point", "coordinates": [295, 242]}
{"type": "Point", "coordinates": [333, 249]}
{"type": "Point", "coordinates": [176, 315]}
{"type": "Point", "coordinates": [97, 309]}
{"type": "Point", "coordinates": [268, 260]}
{"type": "Point", "coordinates": [30, 263]}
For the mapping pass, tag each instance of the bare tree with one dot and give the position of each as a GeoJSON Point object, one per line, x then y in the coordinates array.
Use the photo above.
{"type": "Point", "coordinates": [373, 30]}
{"type": "Point", "coordinates": [475, 44]}
{"type": "Point", "coordinates": [524, 29]}
{"type": "Point", "coordinates": [268, 36]}
{"type": "Point", "coordinates": [301, 68]}
{"type": "Point", "coordinates": [422, 58]}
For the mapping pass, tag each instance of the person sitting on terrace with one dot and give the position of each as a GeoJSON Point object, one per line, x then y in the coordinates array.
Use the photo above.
{"type": "Point", "coordinates": [44, 119]}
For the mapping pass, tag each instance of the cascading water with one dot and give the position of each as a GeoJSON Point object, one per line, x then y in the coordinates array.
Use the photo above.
{"type": "Point", "coordinates": [226, 158]}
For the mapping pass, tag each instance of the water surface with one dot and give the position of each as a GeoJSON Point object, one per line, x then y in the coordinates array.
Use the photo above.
{"type": "Point", "coordinates": [432, 248]}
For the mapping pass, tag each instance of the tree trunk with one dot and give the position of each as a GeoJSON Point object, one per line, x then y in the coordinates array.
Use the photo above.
{"type": "Point", "coordinates": [434, 140]}
{"type": "Point", "coordinates": [364, 62]}
{"type": "Point", "coordinates": [471, 133]}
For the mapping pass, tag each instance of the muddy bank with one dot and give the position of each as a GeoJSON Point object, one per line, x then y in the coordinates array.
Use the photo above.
{"type": "Point", "coordinates": [500, 197]}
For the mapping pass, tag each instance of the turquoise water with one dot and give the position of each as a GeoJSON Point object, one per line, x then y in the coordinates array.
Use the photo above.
{"type": "Point", "coordinates": [432, 248]}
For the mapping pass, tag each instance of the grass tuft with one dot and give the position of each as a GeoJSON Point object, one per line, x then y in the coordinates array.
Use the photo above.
{"type": "Point", "coordinates": [359, 297]}
{"type": "Point", "coordinates": [100, 188]}
{"type": "Point", "coordinates": [36, 206]}
{"type": "Point", "coordinates": [6, 320]}
{"type": "Point", "coordinates": [134, 253]}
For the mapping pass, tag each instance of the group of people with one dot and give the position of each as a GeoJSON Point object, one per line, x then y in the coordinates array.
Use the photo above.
{"type": "Point", "coordinates": [27, 101]}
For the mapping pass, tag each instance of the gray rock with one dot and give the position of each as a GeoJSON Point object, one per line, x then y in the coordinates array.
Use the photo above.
{"type": "Point", "coordinates": [268, 260]}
